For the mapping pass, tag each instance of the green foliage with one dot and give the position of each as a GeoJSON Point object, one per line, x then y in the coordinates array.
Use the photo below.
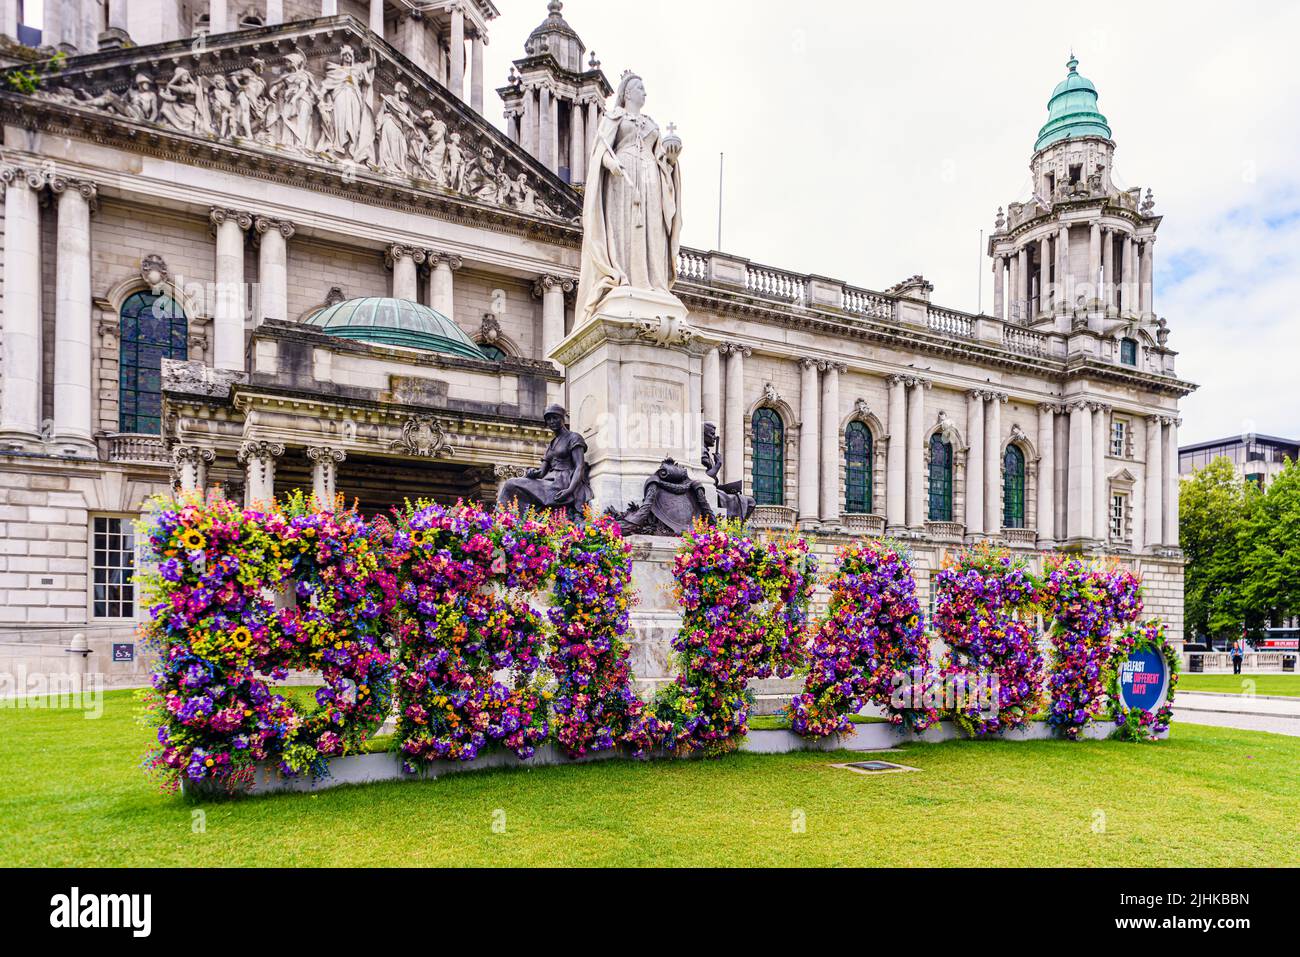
{"type": "Point", "coordinates": [27, 80]}
{"type": "Point", "coordinates": [1215, 508]}
{"type": "Point", "coordinates": [1270, 554]}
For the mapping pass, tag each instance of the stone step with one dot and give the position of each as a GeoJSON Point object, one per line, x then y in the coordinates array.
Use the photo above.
{"type": "Point", "coordinates": [771, 703]}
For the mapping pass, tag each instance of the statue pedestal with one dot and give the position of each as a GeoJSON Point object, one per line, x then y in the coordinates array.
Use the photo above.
{"type": "Point", "coordinates": [657, 617]}
{"type": "Point", "coordinates": [634, 392]}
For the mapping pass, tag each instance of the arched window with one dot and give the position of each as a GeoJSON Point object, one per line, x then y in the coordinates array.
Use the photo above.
{"type": "Point", "coordinates": [1013, 488]}
{"type": "Point", "coordinates": [1128, 352]}
{"type": "Point", "coordinates": [769, 458]}
{"type": "Point", "coordinates": [494, 353]}
{"type": "Point", "coordinates": [857, 468]}
{"type": "Point", "coordinates": [153, 328]}
{"type": "Point", "coordinates": [940, 479]}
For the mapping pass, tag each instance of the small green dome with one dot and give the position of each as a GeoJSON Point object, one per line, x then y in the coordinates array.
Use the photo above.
{"type": "Point", "coordinates": [395, 322]}
{"type": "Point", "coordinates": [1072, 110]}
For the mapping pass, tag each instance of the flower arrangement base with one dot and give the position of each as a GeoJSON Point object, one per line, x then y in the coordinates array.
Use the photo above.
{"type": "Point", "coordinates": [657, 617]}
{"type": "Point", "coordinates": [387, 766]}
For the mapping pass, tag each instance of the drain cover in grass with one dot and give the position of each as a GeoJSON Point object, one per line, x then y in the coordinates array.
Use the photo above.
{"type": "Point", "coordinates": [875, 767]}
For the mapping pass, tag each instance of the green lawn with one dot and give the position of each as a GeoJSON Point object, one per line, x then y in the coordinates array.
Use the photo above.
{"type": "Point", "coordinates": [72, 793]}
{"type": "Point", "coordinates": [1288, 685]}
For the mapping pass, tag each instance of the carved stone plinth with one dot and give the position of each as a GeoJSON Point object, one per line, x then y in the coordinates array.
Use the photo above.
{"type": "Point", "coordinates": [634, 377]}
{"type": "Point", "coordinates": [657, 617]}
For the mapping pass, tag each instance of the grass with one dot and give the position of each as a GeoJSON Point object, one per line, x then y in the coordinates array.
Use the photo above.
{"type": "Point", "coordinates": [1286, 685]}
{"type": "Point", "coordinates": [72, 793]}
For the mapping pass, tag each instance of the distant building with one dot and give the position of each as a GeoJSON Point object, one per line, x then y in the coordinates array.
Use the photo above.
{"type": "Point", "coordinates": [1256, 458]}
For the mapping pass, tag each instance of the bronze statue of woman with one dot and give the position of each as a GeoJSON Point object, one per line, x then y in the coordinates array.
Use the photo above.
{"type": "Point", "coordinates": [563, 480]}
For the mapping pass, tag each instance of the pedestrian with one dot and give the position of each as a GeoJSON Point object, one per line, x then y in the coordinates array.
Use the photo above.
{"type": "Point", "coordinates": [1238, 652]}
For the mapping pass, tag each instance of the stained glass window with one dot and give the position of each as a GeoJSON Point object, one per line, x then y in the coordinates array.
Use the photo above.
{"type": "Point", "coordinates": [940, 479]}
{"type": "Point", "coordinates": [769, 458]}
{"type": "Point", "coordinates": [153, 328]}
{"type": "Point", "coordinates": [857, 468]}
{"type": "Point", "coordinates": [1013, 488]}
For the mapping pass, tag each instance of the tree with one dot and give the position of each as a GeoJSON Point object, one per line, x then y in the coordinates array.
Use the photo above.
{"type": "Point", "coordinates": [1271, 550]}
{"type": "Point", "coordinates": [1214, 511]}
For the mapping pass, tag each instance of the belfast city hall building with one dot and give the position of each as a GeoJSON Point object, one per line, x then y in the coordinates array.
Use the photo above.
{"type": "Point", "coordinates": [250, 247]}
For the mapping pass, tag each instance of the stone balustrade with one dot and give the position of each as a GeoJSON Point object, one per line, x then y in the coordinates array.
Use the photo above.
{"type": "Point", "coordinates": [778, 517]}
{"type": "Point", "coordinates": [946, 532]}
{"type": "Point", "coordinates": [864, 524]}
{"type": "Point", "coordinates": [950, 322]}
{"type": "Point", "coordinates": [136, 448]}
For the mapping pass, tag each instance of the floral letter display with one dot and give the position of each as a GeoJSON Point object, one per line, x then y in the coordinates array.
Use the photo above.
{"type": "Point", "coordinates": [985, 614]}
{"type": "Point", "coordinates": [1142, 724]}
{"type": "Point", "coordinates": [1085, 606]}
{"type": "Point", "coordinates": [745, 605]}
{"type": "Point", "coordinates": [871, 639]}
{"type": "Point", "coordinates": [216, 630]}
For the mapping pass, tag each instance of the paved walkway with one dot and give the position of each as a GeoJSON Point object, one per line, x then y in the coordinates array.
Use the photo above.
{"type": "Point", "coordinates": [1247, 712]}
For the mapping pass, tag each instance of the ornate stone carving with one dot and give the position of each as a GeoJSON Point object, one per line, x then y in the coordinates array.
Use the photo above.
{"type": "Point", "coordinates": [664, 330]}
{"type": "Point", "coordinates": [348, 109]}
{"type": "Point", "coordinates": [260, 450]}
{"type": "Point", "coordinates": [335, 296]}
{"type": "Point", "coordinates": [10, 174]}
{"type": "Point", "coordinates": [323, 455]}
{"type": "Point", "coordinates": [861, 408]}
{"type": "Point", "coordinates": [770, 395]}
{"type": "Point", "coordinates": [154, 271]}
{"type": "Point", "coordinates": [264, 224]}
{"type": "Point", "coordinates": [88, 190]}
{"type": "Point", "coordinates": [544, 283]}
{"type": "Point", "coordinates": [423, 436]}
{"type": "Point", "coordinates": [217, 216]}
{"type": "Point", "coordinates": [397, 251]}
{"type": "Point", "coordinates": [504, 472]}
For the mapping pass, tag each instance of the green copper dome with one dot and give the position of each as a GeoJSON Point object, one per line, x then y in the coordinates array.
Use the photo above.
{"type": "Point", "coordinates": [395, 322]}
{"type": "Point", "coordinates": [1072, 110]}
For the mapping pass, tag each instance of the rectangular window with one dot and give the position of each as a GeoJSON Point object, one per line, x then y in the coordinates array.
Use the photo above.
{"type": "Point", "coordinates": [1119, 438]}
{"type": "Point", "coordinates": [1118, 509]}
{"type": "Point", "coordinates": [112, 556]}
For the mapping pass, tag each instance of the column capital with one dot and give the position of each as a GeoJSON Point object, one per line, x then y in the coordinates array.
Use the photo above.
{"type": "Point", "coordinates": [398, 251]}
{"type": "Point", "coordinates": [1078, 405]}
{"type": "Point", "coordinates": [1100, 407]}
{"type": "Point", "coordinates": [325, 455]}
{"type": "Point", "coordinates": [218, 215]}
{"type": "Point", "coordinates": [87, 189]}
{"type": "Point", "coordinates": [1050, 408]}
{"type": "Point", "coordinates": [544, 284]}
{"type": "Point", "coordinates": [255, 449]}
{"type": "Point", "coordinates": [14, 175]}
{"type": "Point", "coordinates": [895, 380]}
{"type": "Point", "coordinates": [192, 455]}
{"type": "Point", "coordinates": [917, 382]}
{"type": "Point", "coordinates": [806, 363]}
{"type": "Point", "coordinates": [734, 349]}
{"type": "Point", "coordinates": [998, 397]}
{"type": "Point", "coordinates": [264, 224]}
{"type": "Point", "coordinates": [435, 257]}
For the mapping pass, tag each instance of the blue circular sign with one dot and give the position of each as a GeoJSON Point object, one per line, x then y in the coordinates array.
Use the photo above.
{"type": "Point", "coordinates": [1143, 677]}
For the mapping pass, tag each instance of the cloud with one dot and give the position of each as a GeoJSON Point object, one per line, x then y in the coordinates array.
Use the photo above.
{"type": "Point", "coordinates": [870, 141]}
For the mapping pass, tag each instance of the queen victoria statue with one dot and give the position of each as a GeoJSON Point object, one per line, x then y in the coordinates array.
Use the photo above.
{"type": "Point", "coordinates": [632, 214]}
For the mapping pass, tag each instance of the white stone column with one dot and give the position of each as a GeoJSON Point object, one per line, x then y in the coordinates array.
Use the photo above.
{"type": "Point", "coordinates": [528, 125]}
{"type": "Point", "coordinates": [442, 290]}
{"type": "Point", "coordinates": [1128, 285]}
{"type": "Point", "coordinates": [324, 475]}
{"type": "Point", "coordinates": [733, 431]}
{"type": "Point", "coordinates": [377, 17]}
{"type": "Point", "coordinates": [231, 297]}
{"type": "Point", "coordinates": [218, 17]}
{"type": "Point", "coordinates": [20, 382]}
{"type": "Point", "coordinates": [556, 157]}
{"type": "Point", "coordinates": [577, 143]}
{"type": "Point", "coordinates": [1155, 482]}
{"type": "Point", "coordinates": [190, 467]}
{"type": "Point", "coordinates": [1044, 303]}
{"type": "Point", "coordinates": [1172, 490]}
{"type": "Point", "coordinates": [1107, 268]}
{"type": "Point", "coordinates": [274, 12]}
{"type": "Point", "coordinates": [998, 270]}
{"type": "Point", "coordinates": [809, 442]}
{"type": "Point", "coordinates": [1079, 503]}
{"type": "Point", "coordinates": [1022, 293]}
{"type": "Point", "coordinates": [329, 8]}
{"type": "Point", "coordinates": [1013, 290]}
{"type": "Point", "coordinates": [551, 290]}
{"type": "Point", "coordinates": [258, 459]}
{"type": "Point", "coordinates": [72, 320]}
{"type": "Point", "coordinates": [404, 261]}
{"type": "Point", "coordinates": [916, 515]}
{"type": "Point", "coordinates": [273, 268]}
{"type": "Point", "coordinates": [476, 73]}
{"type": "Point", "coordinates": [1100, 487]}
{"type": "Point", "coordinates": [1063, 268]}
{"type": "Point", "coordinates": [830, 443]}
{"type": "Point", "coordinates": [546, 131]}
{"type": "Point", "coordinates": [711, 387]}
{"type": "Point", "coordinates": [1046, 487]}
{"type": "Point", "coordinates": [457, 45]}
{"type": "Point", "coordinates": [896, 457]}
{"type": "Point", "coordinates": [992, 464]}
{"type": "Point", "coordinates": [975, 462]}
{"type": "Point", "coordinates": [1146, 274]}
{"type": "Point", "coordinates": [1094, 262]}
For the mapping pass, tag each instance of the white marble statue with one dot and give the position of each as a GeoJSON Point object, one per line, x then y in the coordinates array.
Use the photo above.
{"type": "Point", "coordinates": [347, 91]}
{"type": "Point", "coordinates": [631, 216]}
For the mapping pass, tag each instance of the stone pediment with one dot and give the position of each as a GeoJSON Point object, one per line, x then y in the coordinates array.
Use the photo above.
{"type": "Point", "coordinates": [323, 101]}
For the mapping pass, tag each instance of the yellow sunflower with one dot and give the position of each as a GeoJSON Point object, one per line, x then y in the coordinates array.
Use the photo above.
{"type": "Point", "coordinates": [417, 537]}
{"type": "Point", "coordinates": [193, 540]}
{"type": "Point", "coordinates": [241, 638]}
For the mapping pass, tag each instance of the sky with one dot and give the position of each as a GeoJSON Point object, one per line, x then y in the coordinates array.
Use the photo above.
{"type": "Point", "coordinates": [869, 141]}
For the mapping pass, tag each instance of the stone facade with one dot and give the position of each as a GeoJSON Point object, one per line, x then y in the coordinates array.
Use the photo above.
{"type": "Point", "coordinates": [222, 192]}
